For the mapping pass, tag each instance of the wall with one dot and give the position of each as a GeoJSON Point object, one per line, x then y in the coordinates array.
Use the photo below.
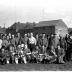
{"type": "Point", "coordinates": [48, 30]}
{"type": "Point", "coordinates": [61, 30]}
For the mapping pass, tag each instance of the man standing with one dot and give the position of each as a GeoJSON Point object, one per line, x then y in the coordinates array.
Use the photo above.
{"type": "Point", "coordinates": [10, 36]}
{"type": "Point", "coordinates": [4, 41]}
{"type": "Point", "coordinates": [0, 42]}
{"type": "Point", "coordinates": [18, 39]}
{"type": "Point", "coordinates": [13, 40]}
{"type": "Point", "coordinates": [32, 42]}
{"type": "Point", "coordinates": [25, 39]}
{"type": "Point", "coordinates": [44, 43]}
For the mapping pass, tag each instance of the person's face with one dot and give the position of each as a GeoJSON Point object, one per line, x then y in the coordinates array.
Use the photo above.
{"type": "Point", "coordinates": [58, 37]}
{"type": "Point", "coordinates": [31, 34]}
{"type": "Point", "coordinates": [43, 35]}
{"type": "Point", "coordinates": [3, 37]}
{"type": "Point", "coordinates": [12, 36]}
{"type": "Point", "coordinates": [37, 36]}
{"type": "Point", "coordinates": [5, 34]}
{"type": "Point", "coordinates": [25, 46]}
{"type": "Point", "coordinates": [67, 35]}
{"type": "Point", "coordinates": [52, 35]}
{"type": "Point", "coordinates": [18, 34]}
{"type": "Point", "coordinates": [2, 50]}
{"type": "Point", "coordinates": [7, 37]}
{"type": "Point", "coordinates": [11, 48]}
{"type": "Point", "coordinates": [9, 34]}
{"type": "Point", "coordinates": [58, 47]}
{"type": "Point", "coordinates": [25, 35]}
{"type": "Point", "coordinates": [70, 37]}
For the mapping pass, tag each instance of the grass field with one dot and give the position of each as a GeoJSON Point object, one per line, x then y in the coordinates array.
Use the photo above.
{"type": "Point", "coordinates": [37, 67]}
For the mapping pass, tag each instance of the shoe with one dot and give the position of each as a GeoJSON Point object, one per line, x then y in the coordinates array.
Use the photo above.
{"type": "Point", "coordinates": [62, 62]}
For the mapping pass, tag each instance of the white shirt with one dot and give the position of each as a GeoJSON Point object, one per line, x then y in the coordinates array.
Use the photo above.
{"type": "Point", "coordinates": [32, 40]}
{"type": "Point", "coordinates": [0, 43]}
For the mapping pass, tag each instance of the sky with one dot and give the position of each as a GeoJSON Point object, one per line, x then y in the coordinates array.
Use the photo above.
{"type": "Point", "coordinates": [34, 11]}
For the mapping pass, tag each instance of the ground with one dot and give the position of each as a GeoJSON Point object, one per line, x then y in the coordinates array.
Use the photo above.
{"type": "Point", "coordinates": [37, 67]}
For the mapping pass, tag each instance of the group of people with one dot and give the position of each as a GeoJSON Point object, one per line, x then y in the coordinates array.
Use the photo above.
{"type": "Point", "coordinates": [40, 48]}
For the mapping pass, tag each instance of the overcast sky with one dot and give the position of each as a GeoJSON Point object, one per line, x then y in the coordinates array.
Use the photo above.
{"type": "Point", "coordinates": [34, 11]}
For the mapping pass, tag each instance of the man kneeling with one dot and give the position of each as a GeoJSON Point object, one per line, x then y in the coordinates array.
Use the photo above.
{"type": "Point", "coordinates": [61, 54]}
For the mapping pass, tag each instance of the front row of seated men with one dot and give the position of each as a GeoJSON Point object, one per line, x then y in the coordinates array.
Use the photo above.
{"type": "Point", "coordinates": [22, 54]}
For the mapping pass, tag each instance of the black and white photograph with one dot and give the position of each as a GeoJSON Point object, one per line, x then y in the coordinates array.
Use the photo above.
{"type": "Point", "coordinates": [35, 35]}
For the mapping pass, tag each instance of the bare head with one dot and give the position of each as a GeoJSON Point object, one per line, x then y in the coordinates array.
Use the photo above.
{"type": "Point", "coordinates": [43, 35]}
{"type": "Point", "coordinates": [9, 34]}
{"type": "Point", "coordinates": [31, 34]}
{"type": "Point", "coordinates": [18, 34]}
{"type": "Point", "coordinates": [25, 35]}
{"type": "Point", "coordinates": [3, 37]}
{"type": "Point", "coordinates": [58, 46]}
{"type": "Point", "coordinates": [28, 34]}
{"type": "Point", "coordinates": [2, 50]}
{"type": "Point", "coordinates": [52, 35]}
{"type": "Point", "coordinates": [12, 36]}
{"type": "Point", "coordinates": [37, 36]}
{"type": "Point", "coordinates": [7, 37]}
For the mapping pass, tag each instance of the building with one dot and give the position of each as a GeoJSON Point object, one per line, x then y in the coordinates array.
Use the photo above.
{"type": "Point", "coordinates": [47, 27]}
{"type": "Point", "coordinates": [51, 27]}
{"type": "Point", "coordinates": [20, 27]}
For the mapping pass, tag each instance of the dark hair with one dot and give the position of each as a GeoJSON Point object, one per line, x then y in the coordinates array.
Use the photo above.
{"type": "Point", "coordinates": [3, 47]}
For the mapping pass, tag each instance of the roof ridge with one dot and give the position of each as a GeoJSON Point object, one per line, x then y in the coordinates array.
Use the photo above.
{"type": "Point", "coordinates": [51, 20]}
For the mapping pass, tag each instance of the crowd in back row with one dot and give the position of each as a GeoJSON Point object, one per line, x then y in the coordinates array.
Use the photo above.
{"type": "Point", "coordinates": [41, 48]}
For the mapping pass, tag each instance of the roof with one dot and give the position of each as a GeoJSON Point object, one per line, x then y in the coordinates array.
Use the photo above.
{"type": "Point", "coordinates": [59, 22]}
{"type": "Point", "coordinates": [19, 25]}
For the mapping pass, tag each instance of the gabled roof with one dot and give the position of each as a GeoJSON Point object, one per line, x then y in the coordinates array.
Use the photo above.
{"type": "Point", "coordinates": [59, 22]}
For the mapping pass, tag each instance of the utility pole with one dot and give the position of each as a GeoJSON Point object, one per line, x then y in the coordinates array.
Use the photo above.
{"type": "Point", "coordinates": [4, 25]}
